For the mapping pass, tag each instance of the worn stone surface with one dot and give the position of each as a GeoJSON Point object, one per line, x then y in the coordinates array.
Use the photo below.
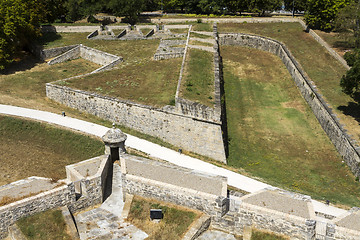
{"type": "Point", "coordinates": [172, 174]}
{"type": "Point", "coordinates": [216, 235]}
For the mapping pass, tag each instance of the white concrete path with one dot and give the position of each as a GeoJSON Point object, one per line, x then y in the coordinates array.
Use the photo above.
{"type": "Point", "coordinates": [234, 179]}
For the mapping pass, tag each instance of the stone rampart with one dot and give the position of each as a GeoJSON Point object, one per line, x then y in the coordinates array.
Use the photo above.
{"type": "Point", "coordinates": [53, 52]}
{"type": "Point", "coordinates": [202, 137]}
{"type": "Point", "coordinates": [96, 56]}
{"type": "Point", "coordinates": [165, 190]}
{"type": "Point", "coordinates": [346, 146]}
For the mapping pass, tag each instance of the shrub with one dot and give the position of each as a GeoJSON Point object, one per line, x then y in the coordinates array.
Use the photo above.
{"type": "Point", "coordinates": [199, 20]}
{"type": "Point", "coordinates": [92, 19]}
{"type": "Point", "coordinates": [352, 56]}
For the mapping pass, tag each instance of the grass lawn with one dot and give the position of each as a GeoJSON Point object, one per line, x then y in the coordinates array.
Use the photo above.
{"type": "Point", "coordinates": [198, 35]}
{"type": "Point", "coordinates": [30, 84]}
{"type": "Point", "coordinates": [274, 135]}
{"type": "Point", "coordinates": [148, 82]}
{"type": "Point", "coordinates": [43, 226]}
{"type": "Point", "coordinates": [206, 27]}
{"type": "Point", "coordinates": [39, 149]}
{"type": "Point", "coordinates": [173, 226]}
{"type": "Point", "coordinates": [258, 235]}
{"type": "Point", "coordinates": [322, 68]}
{"type": "Point", "coordinates": [340, 42]}
{"type": "Point", "coordinates": [206, 44]}
{"type": "Point", "coordinates": [179, 30]}
{"type": "Point", "coordinates": [198, 79]}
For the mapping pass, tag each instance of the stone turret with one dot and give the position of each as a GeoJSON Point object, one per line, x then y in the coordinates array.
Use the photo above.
{"type": "Point", "coordinates": [114, 140]}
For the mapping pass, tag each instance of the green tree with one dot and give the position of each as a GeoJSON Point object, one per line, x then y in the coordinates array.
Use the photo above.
{"type": "Point", "coordinates": [19, 21]}
{"type": "Point", "coordinates": [130, 9]}
{"type": "Point", "coordinates": [261, 6]}
{"type": "Point", "coordinates": [348, 22]}
{"type": "Point", "coordinates": [321, 14]}
{"type": "Point", "coordinates": [350, 81]}
{"type": "Point", "coordinates": [295, 5]}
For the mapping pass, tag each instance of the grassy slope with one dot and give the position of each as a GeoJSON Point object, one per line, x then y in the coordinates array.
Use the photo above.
{"type": "Point", "coordinates": [198, 80]}
{"type": "Point", "coordinates": [38, 149]}
{"type": "Point", "coordinates": [322, 68]}
{"type": "Point", "coordinates": [44, 225]}
{"type": "Point", "coordinates": [274, 134]}
{"type": "Point", "coordinates": [30, 84]}
{"type": "Point", "coordinates": [257, 235]}
{"type": "Point", "coordinates": [174, 224]}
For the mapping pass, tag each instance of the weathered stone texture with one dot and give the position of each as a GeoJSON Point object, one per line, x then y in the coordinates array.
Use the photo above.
{"type": "Point", "coordinates": [327, 119]}
{"type": "Point", "coordinates": [72, 54]}
{"type": "Point", "coordinates": [201, 137]}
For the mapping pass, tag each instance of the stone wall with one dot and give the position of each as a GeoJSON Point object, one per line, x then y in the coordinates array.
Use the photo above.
{"type": "Point", "coordinates": [93, 34]}
{"type": "Point", "coordinates": [185, 195]}
{"type": "Point", "coordinates": [346, 146]}
{"type": "Point", "coordinates": [243, 215]}
{"type": "Point", "coordinates": [189, 133]}
{"type": "Point", "coordinates": [53, 52]}
{"type": "Point", "coordinates": [96, 56]}
{"type": "Point", "coordinates": [12, 212]}
{"type": "Point", "coordinates": [72, 54]}
{"type": "Point", "coordinates": [91, 191]}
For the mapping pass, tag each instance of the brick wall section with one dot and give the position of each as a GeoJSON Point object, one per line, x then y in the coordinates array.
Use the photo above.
{"type": "Point", "coordinates": [202, 137]}
{"type": "Point", "coordinates": [346, 146]}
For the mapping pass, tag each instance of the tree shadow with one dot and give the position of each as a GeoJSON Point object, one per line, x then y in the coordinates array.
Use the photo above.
{"type": "Point", "coordinates": [352, 109]}
{"type": "Point", "coordinates": [24, 61]}
{"type": "Point", "coordinates": [48, 37]}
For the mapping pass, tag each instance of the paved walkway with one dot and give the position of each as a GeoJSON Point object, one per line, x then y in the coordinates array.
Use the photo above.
{"type": "Point", "coordinates": [106, 221]}
{"type": "Point", "coordinates": [234, 179]}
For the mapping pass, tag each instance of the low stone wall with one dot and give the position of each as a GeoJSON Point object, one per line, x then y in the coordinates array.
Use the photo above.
{"type": "Point", "coordinates": [191, 134]}
{"type": "Point", "coordinates": [121, 34]}
{"type": "Point", "coordinates": [200, 226]}
{"type": "Point", "coordinates": [150, 33]}
{"type": "Point", "coordinates": [167, 51]}
{"type": "Point", "coordinates": [93, 34]}
{"type": "Point", "coordinates": [72, 54]}
{"type": "Point", "coordinates": [12, 212]}
{"type": "Point", "coordinates": [53, 52]}
{"type": "Point", "coordinates": [91, 191]}
{"type": "Point", "coordinates": [96, 56]}
{"type": "Point", "coordinates": [138, 184]}
{"type": "Point", "coordinates": [346, 146]}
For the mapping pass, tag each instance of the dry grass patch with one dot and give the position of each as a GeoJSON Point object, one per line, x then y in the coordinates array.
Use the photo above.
{"type": "Point", "coordinates": [39, 149]}
{"type": "Point", "coordinates": [179, 30]}
{"type": "Point", "coordinates": [206, 44]}
{"type": "Point", "coordinates": [173, 226]}
{"type": "Point", "coordinates": [274, 135]}
{"type": "Point", "coordinates": [149, 82]}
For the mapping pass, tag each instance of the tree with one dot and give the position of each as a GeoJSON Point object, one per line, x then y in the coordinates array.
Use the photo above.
{"type": "Point", "coordinates": [350, 81]}
{"type": "Point", "coordinates": [261, 6]}
{"type": "Point", "coordinates": [321, 14]}
{"type": "Point", "coordinates": [19, 21]}
{"type": "Point", "coordinates": [295, 5]}
{"type": "Point", "coordinates": [128, 8]}
{"type": "Point", "coordinates": [348, 21]}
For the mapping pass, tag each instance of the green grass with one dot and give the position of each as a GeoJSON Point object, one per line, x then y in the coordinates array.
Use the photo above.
{"type": "Point", "coordinates": [39, 149]}
{"type": "Point", "coordinates": [206, 27]}
{"type": "Point", "coordinates": [274, 135]}
{"type": "Point", "coordinates": [197, 35]}
{"type": "Point", "coordinates": [321, 67]}
{"type": "Point", "coordinates": [179, 30]}
{"type": "Point", "coordinates": [30, 84]}
{"type": "Point", "coordinates": [145, 30]}
{"type": "Point", "coordinates": [258, 235]}
{"type": "Point", "coordinates": [43, 226]}
{"type": "Point", "coordinates": [198, 80]}
{"type": "Point", "coordinates": [206, 44]}
{"type": "Point", "coordinates": [148, 82]}
{"type": "Point", "coordinates": [175, 223]}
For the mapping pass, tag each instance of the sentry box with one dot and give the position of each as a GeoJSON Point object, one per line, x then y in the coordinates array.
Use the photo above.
{"type": "Point", "coordinates": [156, 214]}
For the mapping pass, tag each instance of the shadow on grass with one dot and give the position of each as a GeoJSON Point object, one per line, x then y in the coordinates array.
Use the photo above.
{"type": "Point", "coordinates": [24, 61]}
{"type": "Point", "coordinates": [48, 37]}
{"type": "Point", "coordinates": [352, 109]}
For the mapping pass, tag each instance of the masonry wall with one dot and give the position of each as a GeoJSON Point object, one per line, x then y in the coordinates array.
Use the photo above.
{"type": "Point", "coordinates": [198, 136]}
{"type": "Point", "coordinates": [243, 215]}
{"type": "Point", "coordinates": [346, 147]}
{"type": "Point", "coordinates": [72, 54]}
{"type": "Point", "coordinates": [12, 212]}
{"type": "Point", "coordinates": [96, 56]}
{"type": "Point", "coordinates": [174, 184]}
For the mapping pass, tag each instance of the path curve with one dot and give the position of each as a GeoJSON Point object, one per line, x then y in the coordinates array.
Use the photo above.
{"type": "Point", "coordinates": [154, 150]}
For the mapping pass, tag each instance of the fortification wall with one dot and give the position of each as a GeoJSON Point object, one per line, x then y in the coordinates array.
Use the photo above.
{"type": "Point", "coordinates": [12, 212]}
{"type": "Point", "coordinates": [96, 56]}
{"type": "Point", "coordinates": [243, 215]}
{"type": "Point", "coordinates": [191, 134]}
{"type": "Point", "coordinates": [136, 181]}
{"type": "Point", "coordinates": [91, 189]}
{"type": "Point", "coordinates": [72, 54]}
{"type": "Point", "coordinates": [346, 146]}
